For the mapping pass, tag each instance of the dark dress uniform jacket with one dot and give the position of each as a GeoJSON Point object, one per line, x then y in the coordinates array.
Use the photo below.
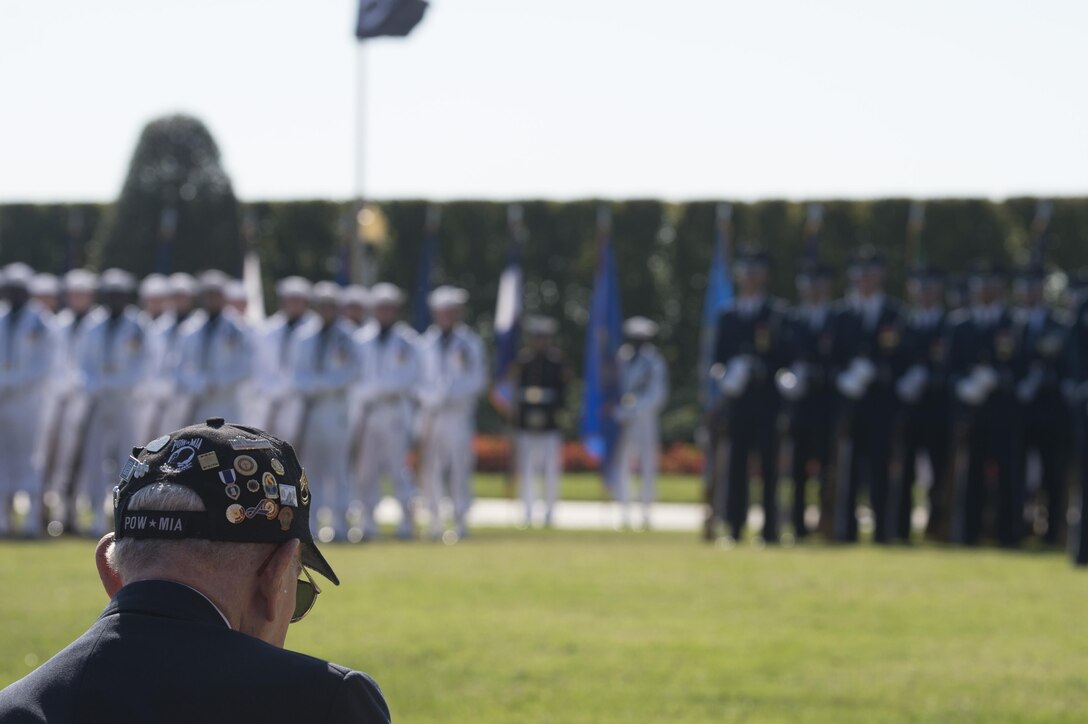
{"type": "Point", "coordinates": [160, 652]}
{"type": "Point", "coordinates": [541, 390]}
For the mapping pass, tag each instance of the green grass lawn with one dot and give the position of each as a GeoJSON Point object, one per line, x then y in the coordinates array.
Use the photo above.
{"type": "Point", "coordinates": [545, 626]}
{"type": "Point", "coordinates": [588, 486]}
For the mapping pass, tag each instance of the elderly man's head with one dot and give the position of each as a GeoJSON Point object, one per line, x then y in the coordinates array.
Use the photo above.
{"type": "Point", "coordinates": [224, 510]}
{"type": "Point", "coordinates": [252, 584]}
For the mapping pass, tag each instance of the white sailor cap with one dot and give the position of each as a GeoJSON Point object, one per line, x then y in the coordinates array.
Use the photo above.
{"type": "Point", "coordinates": [116, 281]}
{"type": "Point", "coordinates": [213, 280]}
{"type": "Point", "coordinates": [386, 294]}
{"type": "Point", "coordinates": [541, 326]}
{"type": "Point", "coordinates": [44, 285]}
{"type": "Point", "coordinates": [80, 280]}
{"type": "Point", "coordinates": [182, 283]}
{"type": "Point", "coordinates": [355, 294]}
{"type": "Point", "coordinates": [17, 274]}
{"type": "Point", "coordinates": [293, 287]}
{"type": "Point", "coordinates": [325, 293]}
{"type": "Point", "coordinates": [446, 297]}
{"type": "Point", "coordinates": [154, 286]}
{"type": "Point", "coordinates": [640, 328]}
{"type": "Point", "coordinates": [236, 291]}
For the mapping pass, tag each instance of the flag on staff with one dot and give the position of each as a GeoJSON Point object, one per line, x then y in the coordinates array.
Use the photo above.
{"type": "Point", "coordinates": [394, 18]}
{"type": "Point", "coordinates": [508, 312]}
{"type": "Point", "coordinates": [814, 221]}
{"type": "Point", "coordinates": [1044, 209]}
{"type": "Point", "coordinates": [916, 222]}
{"type": "Point", "coordinates": [719, 293]}
{"type": "Point", "coordinates": [598, 428]}
{"type": "Point", "coordinates": [421, 314]}
{"type": "Point", "coordinates": [251, 268]}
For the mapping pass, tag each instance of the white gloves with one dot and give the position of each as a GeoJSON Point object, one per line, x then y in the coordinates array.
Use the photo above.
{"type": "Point", "coordinates": [736, 376]}
{"type": "Point", "coordinates": [792, 383]}
{"type": "Point", "coordinates": [911, 385]}
{"type": "Point", "coordinates": [855, 379]}
{"type": "Point", "coordinates": [977, 386]}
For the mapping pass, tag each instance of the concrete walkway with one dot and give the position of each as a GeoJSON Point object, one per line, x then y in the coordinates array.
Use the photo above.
{"type": "Point", "coordinates": [571, 515]}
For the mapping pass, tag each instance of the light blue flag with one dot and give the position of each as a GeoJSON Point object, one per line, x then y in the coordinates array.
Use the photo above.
{"type": "Point", "coordinates": [719, 293]}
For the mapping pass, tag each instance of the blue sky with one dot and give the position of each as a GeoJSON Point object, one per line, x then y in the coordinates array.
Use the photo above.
{"type": "Point", "coordinates": [559, 98]}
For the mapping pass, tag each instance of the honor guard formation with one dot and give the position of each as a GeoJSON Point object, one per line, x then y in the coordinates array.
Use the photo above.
{"type": "Point", "coordinates": [958, 414]}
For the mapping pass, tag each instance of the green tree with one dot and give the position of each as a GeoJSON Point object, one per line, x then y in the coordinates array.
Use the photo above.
{"type": "Point", "coordinates": [177, 210]}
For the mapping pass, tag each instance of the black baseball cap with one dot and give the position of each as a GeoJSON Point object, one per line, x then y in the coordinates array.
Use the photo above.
{"type": "Point", "coordinates": [253, 488]}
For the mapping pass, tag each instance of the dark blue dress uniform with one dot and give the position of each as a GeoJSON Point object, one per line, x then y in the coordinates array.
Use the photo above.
{"type": "Point", "coordinates": [868, 422]}
{"type": "Point", "coordinates": [751, 419]}
{"type": "Point", "coordinates": [811, 415]}
{"type": "Point", "coordinates": [985, 433]}
{"type": "Point", "coordinates": [161, 652]}
{"type": "Point", "coordinates": [1044, 414]}
{"type": "Point", "coordinates": [925, 423]}
{"type": "Point", "coordinates": [1077, 355]}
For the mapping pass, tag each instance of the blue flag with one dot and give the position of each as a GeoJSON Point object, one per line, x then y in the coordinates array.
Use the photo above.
{"type": "Point", "coordinates": [600, 397]}
{"type": "Point", "coordinates": [719, 293]}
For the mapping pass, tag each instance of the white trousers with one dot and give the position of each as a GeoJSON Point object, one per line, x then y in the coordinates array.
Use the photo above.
{"type": "Point", "coordinates": [386, 436]}
{"type": "Point", "coordinates": [107, 445]}
{"type": "Point", "coordinates": [323, 451]}
{"type": "Point", "coordinates": [539, 455]}
{"type": "Point", "coordinates": [448, 455]}
{"type": "Point", "coordinates": [19, 427]}
{"type": "Point", "coordinates": [638, 450]}
{"type": "Point", "coordinates": [61, 442]}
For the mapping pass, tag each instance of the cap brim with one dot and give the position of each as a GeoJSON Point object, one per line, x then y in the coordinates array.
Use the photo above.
{"type": "Point", "coordinates": [312, 559]}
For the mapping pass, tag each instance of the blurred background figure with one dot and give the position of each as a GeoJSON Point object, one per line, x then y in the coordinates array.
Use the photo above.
{"type": "Point", "coordinates": [355, 305]}
{"type": "Point", "coordinates": [214, 359]}
{"type": "Point", "coordinates": [154, 297]}
{"type": "Point", "coordinates": [806, 385]}
{"type": "Point", "coordinates": [277, 407]}
{"type": "Point", "coordinates": [384, 398]}
{"type": "Point", "coordinates": [154, 389]}
{"type": "Point", "coordinates": [981, 367]}
{"type": "Point", "coordinates": [644, 391]}
{"type": "Point", "coordinates": [112, 358]}
{"type": "Point", "coordinates": [539, 380]}
{"type": "Point", "coordinates": [237, 301]}
{"type": "Point", "coordinates": [325, 363]}
{"type": "Point", "coordinates": [45, 290]}
{"type": "Point", "coordinates": [750, 347]}
{"type": "Point", "coordinates": [61, 438]}
{"type": "Point", "coordinates": [871, 355]}
{"type": "Point", "coordinates": [26, 352]}
{"type": "Point", "coordinates": [454, 374]}
{"type": "Point", "coordinates": [923, 392]}
{"type": "Point", "coordinates": [1042, 366]}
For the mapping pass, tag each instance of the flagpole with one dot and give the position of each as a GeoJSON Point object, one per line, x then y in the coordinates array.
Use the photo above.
{"type": "Point", "coordinates": [916, 220]}
{"type": "Point", "coordinates": [363, 271]}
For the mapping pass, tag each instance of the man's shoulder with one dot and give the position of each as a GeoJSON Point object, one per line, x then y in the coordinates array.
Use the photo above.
{"type": "Point", "coordinates": [223, 664]}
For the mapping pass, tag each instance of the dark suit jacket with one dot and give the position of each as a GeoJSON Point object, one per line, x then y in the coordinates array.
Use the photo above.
{"type": "Point", "coordinates": [762, 337]}
{"type": "Point", "coordinates": [882, 344]}
{"type": "Point", "coordinates": [160, 652]}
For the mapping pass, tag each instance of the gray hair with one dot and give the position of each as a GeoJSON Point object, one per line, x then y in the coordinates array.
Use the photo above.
{"type": "Point", "coordinates": [132, 558]}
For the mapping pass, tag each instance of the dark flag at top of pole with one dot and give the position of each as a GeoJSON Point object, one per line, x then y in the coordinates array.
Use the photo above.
{"type": "Point", "coordinates": [508, 311]}
{"type": "Point", "coordinates": [394, 18]}
{"type": "Point", "coordinates": [598, 429]}
{"type": "Point", "coordinates": [421, 313]}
